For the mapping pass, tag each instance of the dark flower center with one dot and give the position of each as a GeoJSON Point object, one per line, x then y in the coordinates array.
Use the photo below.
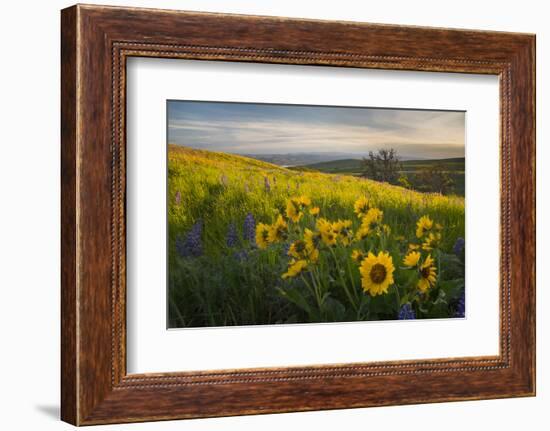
{"type": "Point", "coordinates": [378, 273]}
{"type": "Point", "coordinates": [425, 272]}
{"type": "Point", "coordinates": [299, 246]}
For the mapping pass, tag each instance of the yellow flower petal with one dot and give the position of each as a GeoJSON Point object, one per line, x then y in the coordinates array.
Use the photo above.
{"type": "Point", "coordinates": [423, 226]}
{"type": "Point", "coordinates": [428, 274]}
{"type": "Point", "coordinates": [411, 259]}
{"type": "Point", "coordinates": [314, 211]}
{"type": "Point", "coordinates": [295, 268]}
{"type": "Point", "coordinates": [278, 231]}
{"type": "Point", "coordinates": [262, 234]}
{"type": "Point", "coordinates": [327, 234]}
{"type": "Point", "coordinates": [361, 207]}
{"type": "Point", "coordinates": [293, 210]}
{"type": "Point", "coordinates": [432, 241]}
{"type": "Point", "coordinates": [304, 200]}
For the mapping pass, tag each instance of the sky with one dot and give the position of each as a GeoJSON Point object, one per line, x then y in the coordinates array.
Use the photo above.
{"type": "Point", "coordinates": [257, 128]}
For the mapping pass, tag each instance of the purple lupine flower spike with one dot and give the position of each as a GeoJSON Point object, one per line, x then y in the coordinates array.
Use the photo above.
{"type": "Point", "coordinates": [191, 244]}
{"type": "Point", "coordinates": [460, 310]}
{"type": "Point", "coordinates": [458, 248]}
{"type": "Point", "coordinates": [178, 197]}
{"type": "Point", "coordinates": [232, 238]}
{"type": "Point", "coordinates": [249, 229]}
{"type": "Point", "coordinates": [267, 185]}
{"type": "Point", "coordinates": [406, 312]}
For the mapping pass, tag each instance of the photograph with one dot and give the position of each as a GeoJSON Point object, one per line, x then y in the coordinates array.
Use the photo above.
{"type": "Point", "coordinates": [287, 214]}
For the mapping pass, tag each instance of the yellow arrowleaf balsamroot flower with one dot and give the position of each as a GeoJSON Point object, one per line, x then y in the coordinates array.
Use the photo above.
{"type": "Point", "coordinates": [297, 249]}
{"type": "Point", "coordinates": [311, 239]}
{"type": "Point", "coordinates": [411, 259]}
{"type": "Point", "coordinates": [342, 230]}
{"type": "Point", "coordinates": [295, 206]}
{"type": "Point", "coordinates": [432, 241]}
{"type": "Point", "coordinates": [314, 211]}
{"type": "Point", "coordinates": [372, 219]}
{"type": "Point", "coordinates": [377, 273]}
{"type": "Point", "coordinates": [325, 229]}
{"type": "Point", "coordinates": [357, 255]}
{"type": "Point", "coordinates": [361, 207]}
{"type": "Point", "coordinates": [428, 274]}
{"type": "Point", "coordinates": [313, 255]}
{"type": "Point", "coordinates": [304, 201]}
{"type": "Point", "coordinates": [262, 234]}
{"type": "Point", "coordinates": [423, 225]}
{"type": "Point", "coordinates": [278, 231]}
{"type": "Point", "coordinates": [293, 210]}
{"type": "Point", "coordinates": [295, 268]}
{"type": "Point", "coordinates": [413, 247]}
{"type": "Point", "coordinates": [362, 233]}
{"type": "Point", "coordinates": [369, 222]}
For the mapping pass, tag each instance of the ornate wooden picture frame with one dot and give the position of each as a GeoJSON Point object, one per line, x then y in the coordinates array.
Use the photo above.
{"type": "Point", "coordinates": [96, 41]}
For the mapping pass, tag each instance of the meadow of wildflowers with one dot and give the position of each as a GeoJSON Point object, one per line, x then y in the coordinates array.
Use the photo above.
{"type": "Point", "coordinates": [252, 243]}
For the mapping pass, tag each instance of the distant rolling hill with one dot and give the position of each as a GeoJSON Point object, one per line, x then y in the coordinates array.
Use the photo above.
{"type": "Point", "coordinates": [455, 167]}
{"type": "Point", "coordinates": [300, 159]}
{"type": "Point", "coordinates": [343, 166]}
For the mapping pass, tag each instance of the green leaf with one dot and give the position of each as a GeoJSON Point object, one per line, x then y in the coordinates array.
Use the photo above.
{"type": "Point", "coordinates": [335, 308]}
{"type": "Point", "coordinates": [452, 288]}
{"type": "Point", "coordinates": [296, 297]}
{"type": "Point", "coordinates": [451, 267]}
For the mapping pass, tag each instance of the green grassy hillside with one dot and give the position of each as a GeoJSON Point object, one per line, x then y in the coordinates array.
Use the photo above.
{"type": "Point", "coordinates": [219, 274]}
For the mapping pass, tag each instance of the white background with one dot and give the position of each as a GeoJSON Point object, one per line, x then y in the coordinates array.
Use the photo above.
{"type": "Point", "coordinates": [29, 216]}
{"type": "Point", "coordinates": [151, 348]}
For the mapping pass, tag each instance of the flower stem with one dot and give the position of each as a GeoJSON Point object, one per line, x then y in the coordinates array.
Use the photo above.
{"type": "Point", "coordinates": [314, 292]}
{"type": "Point", "coordinates": [397, 296]}
{"type": "Point", "coordinates": [343, 282]}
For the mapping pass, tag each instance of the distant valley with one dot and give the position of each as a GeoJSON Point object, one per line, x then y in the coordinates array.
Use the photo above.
{"type": "Point", "coordinates": [306, 159]}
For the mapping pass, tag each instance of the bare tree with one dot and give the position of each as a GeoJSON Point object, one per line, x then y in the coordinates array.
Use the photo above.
{"type": "Point", "coordinates": [384, 165]}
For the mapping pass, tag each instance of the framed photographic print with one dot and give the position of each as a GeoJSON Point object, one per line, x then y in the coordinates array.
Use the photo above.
{"type": "Point", "coordinates": [266, 215]}
{"type": "Point", "coordinates": [267, 225]}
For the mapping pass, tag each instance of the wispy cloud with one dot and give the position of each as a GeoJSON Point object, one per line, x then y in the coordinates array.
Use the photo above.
{"type": "Point", "coordinates": [276, 129]}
